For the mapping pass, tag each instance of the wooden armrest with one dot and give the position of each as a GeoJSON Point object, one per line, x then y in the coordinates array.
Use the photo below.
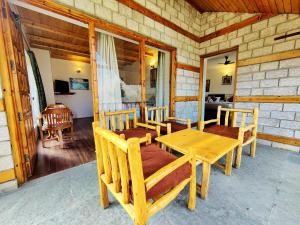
{"type": "Point", "coordinates": [146, 126]}
{"type": "Point", "coordinates": [157, 123]}
{"type": "Point", "coordinates": [209, 121]}
{"type": "Point", "coordinates": [166, 170]}
{"type": "Point", "coordinates": [249, 127]}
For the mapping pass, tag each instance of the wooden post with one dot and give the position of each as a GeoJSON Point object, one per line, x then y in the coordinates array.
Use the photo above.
{"type": "Point", "coordinates": [172, 83]}
{"type": "Point", "coordinates": [92, 43]}
{"type": "Point", "coordinates": [143, 79]}
{"type": "Point", "coordinates": [200, 91]}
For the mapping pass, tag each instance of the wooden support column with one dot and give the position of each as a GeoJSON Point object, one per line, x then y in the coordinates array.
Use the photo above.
{"type": "Point", "coordinates": [173, 82]}
{"type": "Point", "coordinates": [92, 44]}
{"type": "Point", "coordinates": [143, 78]}
{"type": "Point", "coordinates": [200, 91]}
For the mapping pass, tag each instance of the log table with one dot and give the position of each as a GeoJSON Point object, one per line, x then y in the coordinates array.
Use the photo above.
{"type": "Point", "coordinates": [207, 148]}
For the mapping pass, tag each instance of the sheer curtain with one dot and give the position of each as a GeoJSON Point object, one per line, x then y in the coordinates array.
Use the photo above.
{"type": "Point", "coordinates": [109, 89]}
{"type": "Point", "coordinates": [34, 94]}
{"type": "Point", "coordinates": [162, 80]}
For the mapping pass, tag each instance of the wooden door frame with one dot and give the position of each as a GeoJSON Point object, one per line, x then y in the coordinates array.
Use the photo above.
{"type": "Point", "coordinates": [201, 77]}
{"type": "Point", "coordinates": [10, 101]}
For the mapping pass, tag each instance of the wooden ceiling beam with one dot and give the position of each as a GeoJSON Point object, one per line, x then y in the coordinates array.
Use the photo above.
{"type": "Point", "coordinates": [54, 43]}
{"type": "Point", "coordinates": [49, 48]}
{"type": "Point", "coordinates": [68, 56]}
{"type": "Point", "coordinates": [57, 31]}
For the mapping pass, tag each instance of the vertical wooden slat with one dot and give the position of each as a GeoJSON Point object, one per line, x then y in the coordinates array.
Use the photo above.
{"type": "Point", "coordinates": [166, 113]}
{"type": "Point", "coordinates": [152, 116]}
{"type": "Point", "coordinates": [92, 45]}
{"type": "Point", "coordinates": [226, 118]}
{"type": "Point", "coordinates": [219, 115]}
{"type": "Point", "coordinates": [123, 165]}
{"type": "Point", "coordinates": [106, 161]}
{"type": "Point", "coordinates": [127, 121]}
{"type": "Point", "coordinates": [172, 82]}
{"type": "Point", "coordinates": [134, 118]}
{"type": "Point", "coordinates": [233, 119]}
{"type": "Point", "coordinates": [113, 123]}
{"type": "Point", "coordinates": [146, 114]}
{"type": "Point", "coordinates": [243, 119]}
{"type": "Point", "coordinates": [200, 94]}
{"type": "Point", "coordinates": [161, 118]}
{"type": "Point", "coordinates": [114, 166]}
{"type": "Point", "coordinates": [120, 122]}
{"type": "Point", "coordinates": [143, 78]}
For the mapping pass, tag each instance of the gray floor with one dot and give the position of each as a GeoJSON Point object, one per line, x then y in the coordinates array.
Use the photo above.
{"type": "Point", "coordinates": [265, 190]}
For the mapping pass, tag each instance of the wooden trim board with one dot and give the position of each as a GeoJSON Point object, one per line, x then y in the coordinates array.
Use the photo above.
{"type": "Point", "coordinates": [138, 7]}
{"type": "Point", "coordinates": [188, 67]}
{"type": "Point", "coordinates": [186, 98]}
{"type": "Point", "coordinates": [270, 99]}
{"type": "Point", "coordinates": [270, 58]}
{"type": "Point", "coordinates": [7, 175]}
{"type": "Point", "coordinates": [236, 26]}
{"type": "Point", "coordinates": [279, 139]}
{"type": "Point", "coordinates": [2, 107]}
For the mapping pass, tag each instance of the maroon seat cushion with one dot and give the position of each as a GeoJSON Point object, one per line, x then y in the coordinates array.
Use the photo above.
{"type": "Point", "coordinates": [153, 159]}
{"type": "Point", "coordinates": [138, 132]}
{"type": "Point", "coordinates": [174, 127]}
{"type": "Point", "coordinates": [231, 132]}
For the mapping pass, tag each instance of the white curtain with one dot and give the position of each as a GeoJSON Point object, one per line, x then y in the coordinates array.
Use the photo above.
{"type": "Point", "coordinates": [162, 80]}
{"type": "Point", "coordinates": [109, 89]}
{"type": "Point", "coordinates": [34, 96]}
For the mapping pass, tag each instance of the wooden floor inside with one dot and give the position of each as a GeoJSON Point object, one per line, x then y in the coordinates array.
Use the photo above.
{"type": "Point", "coordinates": [75, 152]}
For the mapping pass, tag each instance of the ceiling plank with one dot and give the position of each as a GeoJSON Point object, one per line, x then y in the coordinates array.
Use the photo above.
{"type": "Point", "coordinates": [67, 56]}
{"type": "Point", "coordinates": [54, 43]}
{"type": "Point", "coordinates": [60, 32]}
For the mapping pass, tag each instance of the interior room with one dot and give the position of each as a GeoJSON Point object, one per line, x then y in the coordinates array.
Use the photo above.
{"type": "Point", "coordinates": [166, 112]}
{"type": "Point", "coordinates": [219, 83]}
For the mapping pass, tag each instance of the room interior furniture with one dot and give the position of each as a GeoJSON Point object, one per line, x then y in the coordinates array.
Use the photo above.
{"type": "Point", "coordinates": [160, 116]}
{"type": "Point", "coordinates": [53, 120]}
{"type": "Point", "coordinates": [125, 124]}
{"type": "Point", "coordinates": [143, 179]}
{"type": "Point", "coordinates": [244, 134]}
{"type": "Point", "coordinates": [207, 149]}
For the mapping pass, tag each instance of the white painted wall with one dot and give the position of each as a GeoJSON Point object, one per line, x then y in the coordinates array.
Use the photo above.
{"type": "Point", "coordinates": [215, 71]}
{"type": "Point", "coordinates": [81, 103]}
{"type": "Point", "coordinates": [44, 63]}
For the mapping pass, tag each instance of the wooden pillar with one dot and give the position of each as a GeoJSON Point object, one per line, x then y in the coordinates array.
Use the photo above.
{"type": "Point", "coordinates": [143, 79]}
{"type": "Point", "coordinates": [92, 44]}
{"type": "Point", "coordinates": [172, 82]}
{"type": "Point", "coordinates": [200, 91]}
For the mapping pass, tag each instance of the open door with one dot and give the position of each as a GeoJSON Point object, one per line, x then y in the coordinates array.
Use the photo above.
{"type": "Point", "coordinates": [14, 49]}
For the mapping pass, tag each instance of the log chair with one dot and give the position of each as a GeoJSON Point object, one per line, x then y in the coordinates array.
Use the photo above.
{"type": "Point", "coordinates": [245, 134]}
{"type": "Point", "coordinates": [144, 179]}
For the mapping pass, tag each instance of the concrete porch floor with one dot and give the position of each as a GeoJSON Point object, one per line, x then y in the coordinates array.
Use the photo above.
{"type": "Point", "coordinates": [265, 190]}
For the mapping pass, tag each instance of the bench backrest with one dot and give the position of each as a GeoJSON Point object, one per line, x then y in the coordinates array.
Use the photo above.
{"type": "Point", "coordinates": [119, 163]}
{"type": "Point", "coordinates": [233, 113]}
{"type": "Point", "coordinates": [158, 114]}
{"type": "Point", "coordinates": [121, 120]}
{"type": "Point", "coordinates": [56, 116]}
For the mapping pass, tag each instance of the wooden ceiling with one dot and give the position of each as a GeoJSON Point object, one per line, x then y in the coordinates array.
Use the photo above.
{"type": "Point", "coordinates": [68, 41]}
{"type": "Point", "coordinates": [247, 6]}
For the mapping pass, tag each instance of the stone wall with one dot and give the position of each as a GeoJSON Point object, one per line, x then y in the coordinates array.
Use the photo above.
{"type": "Point", "coordinates": [6, 160]}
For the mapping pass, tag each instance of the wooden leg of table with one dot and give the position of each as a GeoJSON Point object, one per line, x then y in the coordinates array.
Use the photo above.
{"type": "Point", "coordinates": [163, 146]}
{"type": "Point", "coordinates": [205, 179]}
{"type": "Point", "coordinates": [192, 188]}
{"type": "Point", "coordinates": [228, 166]}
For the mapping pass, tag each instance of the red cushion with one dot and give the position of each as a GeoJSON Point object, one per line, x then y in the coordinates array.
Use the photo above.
{"type": "Point", "coordinates": [174, 127]}
{"type": "Point", "coordinates": [153, 159]}
{"type": "Point", "coordinates": [231, 132]}
{"type": "Point", "coordinates": [137, 132]}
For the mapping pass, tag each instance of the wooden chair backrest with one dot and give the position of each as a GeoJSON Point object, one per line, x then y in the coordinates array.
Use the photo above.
{"type": "Point", "coordinates": [158, 114]}
{"type": "Point", "coordinates": [56, 116]}
{"type": "Point", "coordinates": [118, 162]}
{"type": "Point", "coordinates": [114, 120]}
{"type": "Point", "coordinates": [233, 113]}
